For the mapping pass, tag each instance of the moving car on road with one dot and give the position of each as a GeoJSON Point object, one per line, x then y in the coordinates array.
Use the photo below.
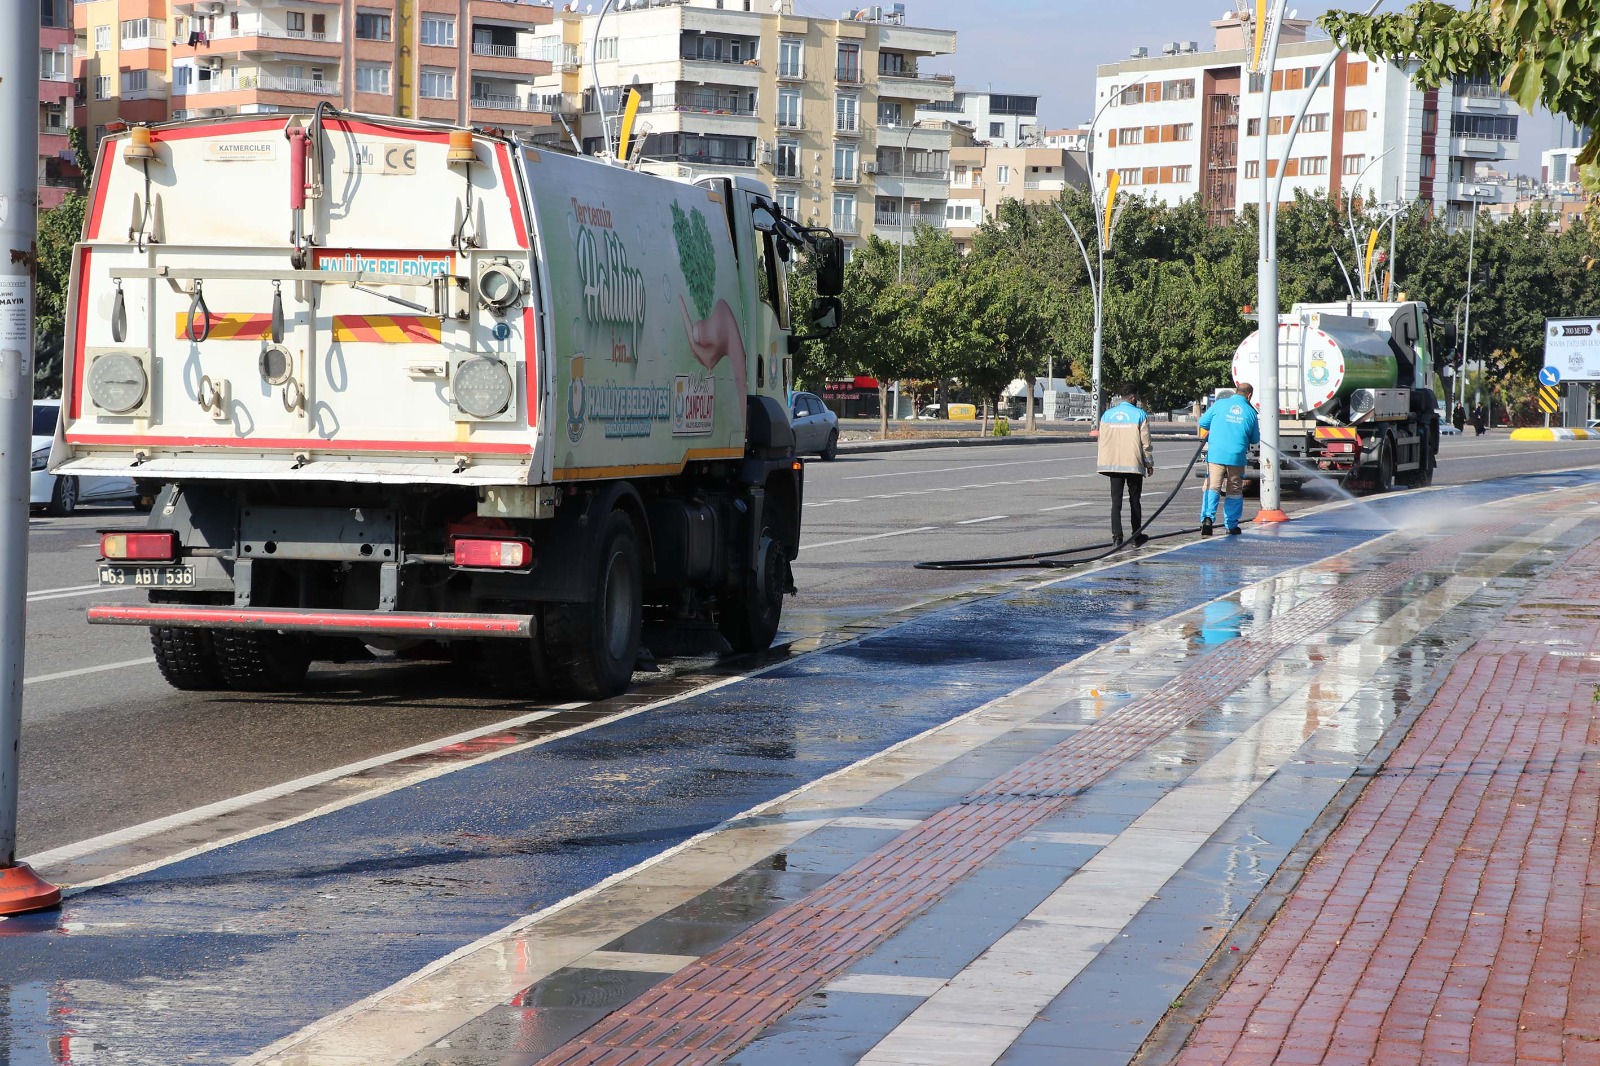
{"type": "Point", "coordinates": [60, 494]}
{"type": "Point", "coordinates": [816, 429]}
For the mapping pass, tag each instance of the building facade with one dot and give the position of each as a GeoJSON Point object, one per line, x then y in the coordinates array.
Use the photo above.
{"type": "Point", "coordinates": [982, 177]}
{"type": "Point", "coordinates": [1188, 124]}
{"type": "Point", "coordinates": [824, 110]}
{"type": "Point", "coordinates": [58, 169]}
{"type": "Point", "coordinates": [1003, 120]}
{"type": "Point", "coordinates": [458, 61]}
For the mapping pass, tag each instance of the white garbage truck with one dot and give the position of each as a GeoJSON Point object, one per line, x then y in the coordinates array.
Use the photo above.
{"type": "Point", "coordinates": [1357, 384]}
{"type": "Point", "coordinates": [401, 386]}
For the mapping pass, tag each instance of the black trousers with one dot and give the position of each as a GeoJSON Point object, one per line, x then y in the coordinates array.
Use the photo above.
{"type": "Point", "coordinates": [1135, 486]}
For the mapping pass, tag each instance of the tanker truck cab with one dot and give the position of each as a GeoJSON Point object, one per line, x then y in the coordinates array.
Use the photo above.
{"type": "Point", "coordinates": [421, 389]}
{"type": "Point", "coordinates": [1356, 395]}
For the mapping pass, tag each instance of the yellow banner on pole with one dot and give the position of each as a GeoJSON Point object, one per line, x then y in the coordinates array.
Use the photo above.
{"type": "Point", "coordinates": [1366, 270]}
{"type": "Point", "coordinates": [630, 111]}
{"type": "Point", "coordinates": [1260, 35]}
{"type": "Point", "coordinates": [1111, 202]}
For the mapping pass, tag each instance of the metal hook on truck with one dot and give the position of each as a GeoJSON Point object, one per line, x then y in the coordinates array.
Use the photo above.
{"type": "Point", "coordinates": [518, 446]}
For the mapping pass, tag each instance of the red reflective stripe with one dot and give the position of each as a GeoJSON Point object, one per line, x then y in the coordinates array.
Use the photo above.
{"type": "Point", "coordinates": [331, 447]}
{"type": "Point", "coordinates": [513, 194]}
{"type": "Point", "coordinates": [289, 618]}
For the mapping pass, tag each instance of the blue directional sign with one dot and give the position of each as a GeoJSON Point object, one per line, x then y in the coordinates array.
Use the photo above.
{"type": "Point", "coordinates": [1549, 376]}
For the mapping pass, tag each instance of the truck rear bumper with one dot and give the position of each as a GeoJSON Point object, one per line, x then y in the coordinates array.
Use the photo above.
{"type": "Point", "coordinates": [301, 620]}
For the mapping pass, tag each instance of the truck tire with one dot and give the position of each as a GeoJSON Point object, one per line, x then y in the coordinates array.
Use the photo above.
{"type": "Point", "coordinates": [254, 661]}
{"type": "Point", "coordinates": [748, 616]}
{"type": "Point", "coordinates": [590, 648]}
{"type": "Point", "coordinates": [1383, 470]}
{"type": "Point", "coordinates": [186, 658]}
{"type": "Point", "coordinates": [514, 668]}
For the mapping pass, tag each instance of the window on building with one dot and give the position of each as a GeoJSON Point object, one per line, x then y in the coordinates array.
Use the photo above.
{"type": "Point", "coordinates": [1493, 127]}
{"type": "Point", "coordinates": [436, 84]}
{"type": "Point", "coordinates": [844, 162]}
{"type": "Point", "coordinates": [372, 78]}
{"type": "Point", "coordinates": [102, 38]}
{"type": "Point", "coordinates": [99, 134]}
{"type": "Point", "coordinates": [789, 202]}
{"type": "Point", "coordinates": [1317, 123]}
{"type": "Point", "coordinates": [849, 61]}
{"type": "Point", "coordinates": [1182, 89]}
{"type": "Point", "coordinates": [143, 29]}
{"type": "Point", "coordinates": [959, 213]}
{"type": "Point", "coordinates": [319, 27]}
{"type": "Point", "coordinates": [997, 129]}
{"type": "Point", "coordinates": [53, 65]}
{"type": "Point", "coordinates": [1354, 164]}
{"type": "Point", "coordinates": [1130, 135]}
{"type": "Point", "coordinates": [1252, 127]}
{"type": "Point", "coordinates": [1183, 174]}
{"type": "Point", "coordinates": [847, 113]}
{"type": "Point", "coordinates": [102, 87]}
{"type": "Point", "coordinates": [1002, 174]}
{"type": "Point", "coordinates": [789, 108]}
{"type": "Point", "coordinates": [893, 63]}
{"type": "Point", "coordinates": [605, 48]}
{"type": "Point", "coordinates": [1355, 121]}
{"type": "Point", "coordinates": [371, 26]}
{"type": "Point", "coordinates": [1430, 123]}
{"type": "Point", "coordinates": [1425, 166]}
{"type": "Point", "coordinates": [791, 53]}
{"type": "Point", "coordinates": [786, 163]}
{"type": "Point", "coordinates": [961, 177]}
{"type": "Point", "coordinates": [1314, 165]}
{"type": "Point", "coordinates": [1252, 168]}
{"type": "Point", "coordinates": [182, 78]}
{"type": "Point", "coordinates": [1258, 82]}
{"type": "Point", "coordinates": [135, 81]}
{"type": "Point", "coordinates": [438, 31]}
{"type": "Point", "coordinates": [1355, 74]}
{"type": "Point", "coordinates": [1133, 94]}
{"type": "Point", "coordinates": [295, 23]}
{"type": "Point", "coordinates": [889, 112]}
{"type": "Point", "coordinates": [1130, 175]}
{"type": "Point", "coordinates": [844, 212]}
{"type": "Point", "coordinates": [1183, 131]}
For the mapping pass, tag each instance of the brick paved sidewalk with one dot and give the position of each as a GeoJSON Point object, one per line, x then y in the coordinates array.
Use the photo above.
{"type": "Point", "coordinates": [1454, 915]}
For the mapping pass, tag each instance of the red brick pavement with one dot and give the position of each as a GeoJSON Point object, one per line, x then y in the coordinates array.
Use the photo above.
{"type": "Point", "coordinates": [708, 1010]}
{"type": "Point", "coordinates": [1454, 915]}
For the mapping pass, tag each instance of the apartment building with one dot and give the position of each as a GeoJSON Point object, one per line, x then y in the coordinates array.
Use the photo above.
{"type": "Point", "coordinates": [1187, 123]}
{"type": "Point", "coordinates": [458, 61]}
{"type": "Point", "coordinates": [1074, 140]}
{"type": "Point", "coordinates": [58, 170]}
{"type": "Point", "coordinates": [824, 110]}
{"type": "Point", "coordinates": [1006, 120]}
{"type": "Point", "coordinates": [982, 177]}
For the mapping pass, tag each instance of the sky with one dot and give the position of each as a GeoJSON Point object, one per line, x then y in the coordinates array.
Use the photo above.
{"type": "Point", "coordinates": [1050, 48]}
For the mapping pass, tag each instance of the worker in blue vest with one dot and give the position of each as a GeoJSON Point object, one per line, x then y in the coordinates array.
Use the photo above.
{"type": "Point", "coordinates": [1228, 427]}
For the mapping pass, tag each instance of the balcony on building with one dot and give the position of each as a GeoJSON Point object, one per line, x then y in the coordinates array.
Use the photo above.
{"type": "Point", "coordinates": [695, 108]}
{"type": "Point", "coordinates": [209, 29]}
{"type": "Point", "coordinates": [698, 152]}
{"type": "Point", "coordinates": [513, 12]}
{"type": "Point", "coordinates": [890, 224]}
{"type": "Point", "coordinates": [511, 49]}
{"type": "Point", "coordinates": [900, 79]}
{"type": "Point", "coordinates": [55, 74]}
{"type": "Point", "coordinates": [253, 88]}
{"type": "Point", "coordinates": [1483, 137]}
{"type": "Point", "coordinates": [720, 57]}
{"type": "Point", "coordinates": [1480, 94]}
{"type": "Point", "coordinates": [510, 102]}
{"type": "Point", "coordinates": [916, 175]}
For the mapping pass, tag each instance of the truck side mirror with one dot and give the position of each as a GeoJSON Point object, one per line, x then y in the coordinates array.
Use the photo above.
{"type": "Point", "coordinates": [826, 313]}
{"type": "Point", "coordinates": [830, 266]}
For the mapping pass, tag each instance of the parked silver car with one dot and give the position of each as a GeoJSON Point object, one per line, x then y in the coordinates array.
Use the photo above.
{"type": "Point", "coordinates": [62, 495]}
{"type": "Point", "coordinates": [816, 429]}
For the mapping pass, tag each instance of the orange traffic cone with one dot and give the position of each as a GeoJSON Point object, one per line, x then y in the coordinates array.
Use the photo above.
{"type": "Point", "coordinates": [22, 890]}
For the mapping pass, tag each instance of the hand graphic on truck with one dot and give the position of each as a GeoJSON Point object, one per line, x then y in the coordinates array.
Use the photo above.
{"type": "Point", "coordinates": [715, 337]}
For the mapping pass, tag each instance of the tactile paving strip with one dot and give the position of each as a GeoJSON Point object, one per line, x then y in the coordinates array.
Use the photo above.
{"type": "Point", "coordinates": [710, 1009]}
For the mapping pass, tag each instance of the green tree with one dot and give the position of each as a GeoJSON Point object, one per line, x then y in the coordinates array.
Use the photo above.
{"type": "Point", "coordinates": [59, 231]}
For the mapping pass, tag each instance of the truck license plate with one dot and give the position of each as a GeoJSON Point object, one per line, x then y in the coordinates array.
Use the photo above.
{"type": "Point", "coordinates": [152, 577]}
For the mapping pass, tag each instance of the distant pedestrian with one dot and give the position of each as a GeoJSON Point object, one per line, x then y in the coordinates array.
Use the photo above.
{"type": "Point", "coordinates": [1480, 420]}
{"type": "Point", "coordinates": [1127, 458]}
{"type": "Point", "coordinates": [1459, 418]}
{"type": "Point", "coordinates": [1228, 427]}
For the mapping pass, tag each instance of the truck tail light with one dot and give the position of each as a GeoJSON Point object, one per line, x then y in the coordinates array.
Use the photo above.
{"type": "Point", "coordinates": [153, 547]}
{"type": "Point", "coordinates": [495, 554]}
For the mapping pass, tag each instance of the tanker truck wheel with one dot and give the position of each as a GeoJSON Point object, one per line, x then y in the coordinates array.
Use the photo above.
{"type": "Point", "coordinates": [186, 658]}
{"type": "Point", "coordinates": [748, 616]}
{"type": "Point", "coordinates": [258, 661]}
{"type": "Point", "coordinates": [590, 648]}
{"type": "Point", "coordinates": [1382, 471]}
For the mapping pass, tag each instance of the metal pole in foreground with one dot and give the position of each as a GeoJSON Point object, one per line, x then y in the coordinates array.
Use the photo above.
{"type": "Point", "coordinates": [1267, 291]}
{"type": "Point", "coordinates": [20, 888]}
{"type": "Point", "coordinates": [1466, 326]}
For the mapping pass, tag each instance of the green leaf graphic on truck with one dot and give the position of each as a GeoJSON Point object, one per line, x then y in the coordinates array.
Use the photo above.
{"type": "Point", "coordinates": [713, 329]}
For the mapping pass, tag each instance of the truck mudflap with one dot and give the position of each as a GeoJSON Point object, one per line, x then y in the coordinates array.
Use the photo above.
{"type": "Point", "coordinates": [302, 620]}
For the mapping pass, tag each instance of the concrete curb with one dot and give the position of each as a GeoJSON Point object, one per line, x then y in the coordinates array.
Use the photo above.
{"type": "Point", "coordinates": [870, 446]}
{"type": "Point", "coordinates": [1554, 433]}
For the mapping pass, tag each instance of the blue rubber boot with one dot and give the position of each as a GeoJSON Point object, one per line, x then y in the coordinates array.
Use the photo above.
{"type": "Point", "coordinates": [1232, 511]}
{"type": "Point", "coordinates": [1208, 511]}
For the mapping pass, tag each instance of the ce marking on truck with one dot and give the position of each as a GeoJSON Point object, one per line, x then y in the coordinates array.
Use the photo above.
{"type": "Point", "coordinates": [391, 158]}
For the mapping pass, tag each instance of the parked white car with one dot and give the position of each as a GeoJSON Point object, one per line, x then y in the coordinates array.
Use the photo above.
{"type": "Point", "coordinates": [62, 495]}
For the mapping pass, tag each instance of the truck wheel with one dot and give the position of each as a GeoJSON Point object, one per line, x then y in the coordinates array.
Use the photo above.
{"type": "Point", "coordinates": [1383, 472]}
{"type": "Point", "coordinates": [590, 648]}
{"type": "Point", "coordinates": [748, 617]}
{"type": "Point", "coordinates": [253, 661]}
{"type": "Point", "coordinates": [831, 451]}
{"type": "Point", "coordinates": [64, 497]}
{"type": "Point", "coordinates": [186, 658]}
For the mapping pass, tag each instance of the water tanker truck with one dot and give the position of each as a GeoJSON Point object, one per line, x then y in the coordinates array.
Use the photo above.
{"type": "Point", "coordinates": [1356, 393]}
{"type": "Point", "coordinates": [400, 386]}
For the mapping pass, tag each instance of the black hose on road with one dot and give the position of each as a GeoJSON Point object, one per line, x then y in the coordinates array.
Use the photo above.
{"type": "Point", "coordinates": [1057, 559]}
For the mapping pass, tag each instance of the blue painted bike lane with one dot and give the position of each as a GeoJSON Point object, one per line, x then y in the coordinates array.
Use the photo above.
{"type": "Point", "coordinates": [216, 956]}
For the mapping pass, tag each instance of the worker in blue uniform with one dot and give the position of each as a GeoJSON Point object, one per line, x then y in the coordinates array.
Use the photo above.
{"type": "Point", "coordinates": [1228, 427]}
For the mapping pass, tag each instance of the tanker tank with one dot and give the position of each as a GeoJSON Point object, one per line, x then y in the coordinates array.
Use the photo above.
{"type": "Point", "coordinates": [1337, 359]}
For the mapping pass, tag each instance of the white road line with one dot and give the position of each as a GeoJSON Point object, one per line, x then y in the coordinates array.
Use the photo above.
{"type": "Point", "coordinates": [875, 536]}
{"type": "Point", "coordinates": [975, 521]}
{"type": "Point", "coordinates": [89, 591]}
{"type": "Point", "coordinates": [67, 588]}
{"type": "Point", "coordinates": [63, 675]}
{"type": "Point", "coordinates": [955, 469]}
{"type": "Point", "coordinates": [1062, 507]}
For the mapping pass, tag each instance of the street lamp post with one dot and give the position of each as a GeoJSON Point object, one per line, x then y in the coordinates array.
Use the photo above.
{"type": "Point", "coordinates": [905, 150]}
{"type": "Point", "coordinates": [1466, 327]}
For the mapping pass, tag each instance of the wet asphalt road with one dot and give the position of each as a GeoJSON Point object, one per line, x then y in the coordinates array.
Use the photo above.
{"type": "Point", "coordinates": [107, 744]}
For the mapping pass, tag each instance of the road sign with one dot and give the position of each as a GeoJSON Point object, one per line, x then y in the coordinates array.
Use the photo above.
{"type": "Point", "coordinates": [1572, 346]}
{"type": "Point", "coordinates": [1550, 376]}
{"type": "Point", "coordinates": [1549, 399]}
